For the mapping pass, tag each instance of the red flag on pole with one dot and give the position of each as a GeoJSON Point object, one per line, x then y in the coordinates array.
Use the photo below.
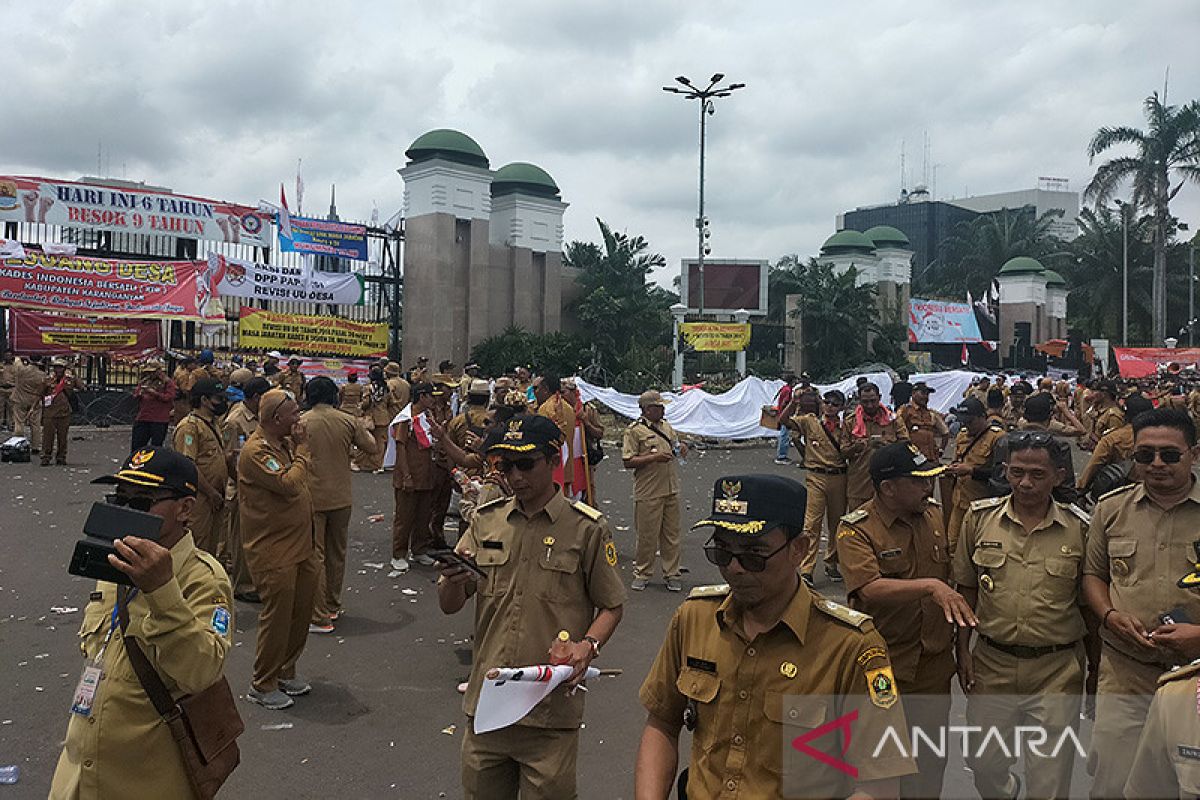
{"type": "Point", "coordinates": [966, 356]}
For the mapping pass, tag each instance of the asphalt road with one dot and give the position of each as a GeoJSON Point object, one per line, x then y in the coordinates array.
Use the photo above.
{"type": "Point", "coordinates": [384, 718]}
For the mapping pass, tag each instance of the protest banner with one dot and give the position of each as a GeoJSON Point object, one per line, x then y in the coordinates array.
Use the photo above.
{"type": "Point", "coordinates": [336, 369]}
{"type": "Point", "coordinates": [42, 333]}
{"type": "Point", "coordinates": [130, 210]}
{"type": "Point", "coordinates": [1144, 362]}
{"type": "Point", "coordinates": [939, 322]}
{"type": "Point", "coordinates": [311, 334]}
{"type": "Point", "coordinates": [107, 287]}
{"type": "Point", "coordinates": [235, 277]}
{"type": "Point", "coordinates": [715, 336]}
{"type": "Point", "coordinates": [323, 237]}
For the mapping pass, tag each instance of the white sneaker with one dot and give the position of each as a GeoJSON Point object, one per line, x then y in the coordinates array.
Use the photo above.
{"type": "Point", "coordinates": [399, 565]}
{"type": "Point", "coordinates": [424, 560]}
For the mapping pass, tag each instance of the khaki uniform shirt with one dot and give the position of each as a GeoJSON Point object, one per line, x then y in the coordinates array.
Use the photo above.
{"type": "Point", "coordinates": [926, 429]}
{"type": "Point", "coordinates": [1108, 420]}
{"type": "Point", "coordinates": [1142, 552]}
{"type": "Point", "coordinates": [874, 543]}
{"type": "Point", "coordinates": [1167, 763]}
{"type": "Point", "coordinates": [659, 479]}
{"type": "Point", "coordinates": [274, 503]}
{"type": "Point", "coordinates": [399, 395]}
{"type": "Point", "coordinates": [1113, 448]}
{"type": "Point", "coordinates": [858, 451]}
{"type": "Point", "coordinates": [125, 749]}
{"type": "Point", "coordinates": [199, 437]}
{"type": "Point", "coordinates": [750, 697]}
{"type": "Point", "coordinates": [563, 415]}
{"type": "Point", "coordinates": [546, 573]}
{"type": "Point", "coordinates": [60, 406]}
{"type": "Point", "coordinates": [292, 382]}
{"type": "Point", "coordinates": [416, 461]}
{"type": "Point", "coordinates": [184, 378]}
{"type": "Point", "coordinates": [377, 406]}
{"type": "Point", "coordinates": [8, 374]}
{"type": "Point", "coordinates": [975, 452]}
{"type": "Point", "coordinates": [1029, 584]}
{"type": "Point", "coordinates": [240, 421]}
{"type": "Point", "coordinates": [331, 434]}
{"type": "Point", "coordinates": [350, 398]}
{"type": "Point", "coordinates": [28, 381]}
{"type": "Point", "coordinates": [821, 447]}
{"type": "Point", "coordinates": [472, 420]}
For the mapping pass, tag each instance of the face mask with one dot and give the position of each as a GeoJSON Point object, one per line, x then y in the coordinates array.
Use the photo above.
{"type": "Point", "coordinates": [220, 407]}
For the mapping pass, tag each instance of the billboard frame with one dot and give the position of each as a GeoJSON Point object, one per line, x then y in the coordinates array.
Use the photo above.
{"type": "Point", "coordinates": [764, 267]}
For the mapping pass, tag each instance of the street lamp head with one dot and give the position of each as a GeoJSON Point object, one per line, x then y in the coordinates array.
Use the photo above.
{"type": "Point", "coordinates": [734, 86]}
{"type": "Point", "coordinates": [718, 77]}
{"type": "Point", "coordinates": [683, 79]}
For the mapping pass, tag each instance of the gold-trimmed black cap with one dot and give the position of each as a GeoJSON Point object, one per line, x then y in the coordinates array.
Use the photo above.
{"type": "Point", "coordinates": [527, 434]}
{"type": "Point", "coordinates": [157, 468]}
{"type": "Point", "coordinates": [901, 460]}
{"type": "Point", "coordinates": [754, 504]}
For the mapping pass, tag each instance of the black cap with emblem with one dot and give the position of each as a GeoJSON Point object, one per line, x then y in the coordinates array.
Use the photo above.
{"type": "Point", "coordinates": [527, 434]}
{"type": "Point", "coordinates": [902, 460]}
{"type": "Point", "coordinates": [157, 468]}
{"type": "Point", "coordinates": [970, 407]}
{"type": "Point", "coordinates": [754, 504]}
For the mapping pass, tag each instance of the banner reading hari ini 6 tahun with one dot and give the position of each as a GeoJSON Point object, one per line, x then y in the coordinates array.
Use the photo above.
{"type": "Point", "coordinates": [103, 287]}
{"type": "Point", "coordinates": [306, 333]}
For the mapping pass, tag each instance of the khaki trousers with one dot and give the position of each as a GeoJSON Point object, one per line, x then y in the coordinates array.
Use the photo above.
{"type": "Point", "coordinates": [27, 421]}
{"type": "Point", "coordinates": [657, 523]}
{"type": "Point", "coordinates": [1010, 691]}
{"type": "Point", "coordinates": [1122, 703]}
{"type": "Point", "coordinates": [332, 530]}
{"type": "Point", "coordinates": [443, 489]}
{"type": "Point", "coordinates": [7, 409]}
{"type": "Point", "coordinates": [410, 525]}
{"type": "Point", "coordinates": [826, 505]}
{"type": "Point", "coordinates": [373, 461]}
{"type": "Point", "coordinates": [287, 601]}
{"type": "Point", "coordinates": [926, 700]}
{"type": "Point", "coordinates": [55, 436]}
{"type": "Point", "coordinates": [207, 524]}
{"type": "Point", "coordinates": [519, 761]}
{"type": "Point", "coordinates": [239, 573]}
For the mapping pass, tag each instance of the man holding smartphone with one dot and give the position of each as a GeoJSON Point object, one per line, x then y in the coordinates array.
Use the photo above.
{"type": "Point", "coordinates": [179, 614]}
{"type": "Point", "coordinates": [551, 566]}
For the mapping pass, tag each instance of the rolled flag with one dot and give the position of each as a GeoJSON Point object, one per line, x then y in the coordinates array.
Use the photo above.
{"type": "Point", "coordinates": [284, 219]}
{"type": "Point", "coordinates": [966, 356]}
{"type": "Point", "coordinates": [11, 248]}
{"type": "Point", "coordinates": [60, 248]}
{"type": "Point", "coordinates": [509, 693]}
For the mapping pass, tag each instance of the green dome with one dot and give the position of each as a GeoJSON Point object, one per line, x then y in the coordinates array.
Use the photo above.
{"type": "Point", "coordinates": [847, 241]}
{"type": "Point", "coordinates": [1022, 265]}
{"type": "Point", "coordinates": [525, 178]}
{"type": "Point", "coordinates": [448, 144]}
{"type": "Point", "coordinates": [887, 236]}
{"type": "Point", "coordinates": [1054, 279]}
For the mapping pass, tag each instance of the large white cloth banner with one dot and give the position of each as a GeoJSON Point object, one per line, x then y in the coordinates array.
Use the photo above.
{"type": "Point", "coordinates": [236, 277]}
{"type": "Point", "coordinates": [735, 414]}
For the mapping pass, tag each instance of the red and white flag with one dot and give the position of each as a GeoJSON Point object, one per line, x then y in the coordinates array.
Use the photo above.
{"type": "Point", "coordinates": [966, 356]}
{"type": "Point", "coordinates": [284, 217]}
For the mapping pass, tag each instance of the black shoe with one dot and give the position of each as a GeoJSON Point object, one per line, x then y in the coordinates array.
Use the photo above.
{"type": "Point", "coordinates": [807, 578]}
{"type": "Point", "coordinates": [831, 572]}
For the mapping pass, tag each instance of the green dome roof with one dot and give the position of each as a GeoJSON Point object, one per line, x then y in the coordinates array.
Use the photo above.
{"type": "Point", "coordinates": [887, 236]}
{"type": "Point", "coordinates": [525, 178]}
{"type": "Point", "coordinates": [1054, 279]}
{"type": "Point", "coordinates": [448, 144]}
{"type": "Point", "coordinates": [847, 241]}
{"type": "Point", "coordinates": [1022, 265]}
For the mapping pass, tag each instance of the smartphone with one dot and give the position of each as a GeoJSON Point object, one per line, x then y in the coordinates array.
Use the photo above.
{"type": "Point", "coordinates": [1176, 616]}
{"type": "Point", "coordinates": [106, 523]}
{"type": "Point", "coordinates": [448, 556]}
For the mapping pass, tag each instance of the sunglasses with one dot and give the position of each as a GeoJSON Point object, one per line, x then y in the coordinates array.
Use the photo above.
{"type": "Point", "coordinates": [523, 464]}
{"type": "Point", "coordinates": [751, 562]}
{"type": "Point", "coordinates": [141, 502]}
{"type": "Point", "coordinates": [1169, 455]}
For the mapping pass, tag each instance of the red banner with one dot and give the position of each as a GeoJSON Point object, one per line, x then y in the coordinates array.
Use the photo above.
{"type": "Point", "coordinates": [107, 287]}
{"type": "Point", "coordinates": [1142, 362]}
{"type": "Point", "coordinates": [38, 333]}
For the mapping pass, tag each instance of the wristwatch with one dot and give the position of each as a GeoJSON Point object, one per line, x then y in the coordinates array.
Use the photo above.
{"type": "Point", "coordinates": [595, 643]}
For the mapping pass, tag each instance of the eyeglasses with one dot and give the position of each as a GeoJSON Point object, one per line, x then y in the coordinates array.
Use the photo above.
{"type": "Point", "coordinates": [751, 562]}
{"type": "Point", "coordinates": [141, 502]}
{"type": "Point", "coordinates": [1169, 455]}
{"type": "Point", "coordinates": [523, 464]}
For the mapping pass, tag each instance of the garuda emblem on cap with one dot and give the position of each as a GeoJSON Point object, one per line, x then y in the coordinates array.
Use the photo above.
{"type": "Point", "coordinates": [729, 504]}
{"type": "Point", "coordinates": [140, 458]}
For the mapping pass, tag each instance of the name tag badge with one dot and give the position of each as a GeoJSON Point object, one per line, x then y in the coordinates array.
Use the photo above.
{"type": "Point", "coordinates": [487, 545]}
{"type": "Point", "coordinates": [890, 553]}
{"type": "Point", "coordinates": [702, 665]}
{"type": "Point", "coordinates": [85, 692]}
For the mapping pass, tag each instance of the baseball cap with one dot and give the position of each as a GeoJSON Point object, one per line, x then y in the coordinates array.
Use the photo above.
{"type": "Point", "coordinates": [275, 354]}
{"type": "Point", "coordinates": [900, 460]}
{"type": "Point", "coordinates": [651, 398]}
{"type": "Point", "coordinates": [754, 504]}
{"type": "Point", "coordinates": [527, 434]}
{"type": "Point", "coordinates": [970, 407]}
{"type": "Point", "coordinates": [206, 387]}
{"type": "Point", "coordinates": [159, 468]}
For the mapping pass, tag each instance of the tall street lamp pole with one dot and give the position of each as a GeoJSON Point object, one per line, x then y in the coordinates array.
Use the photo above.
{"type": "Point", "coordinates": [705, 96]}
{"type": "Point", "coordinates": [1124, 273]}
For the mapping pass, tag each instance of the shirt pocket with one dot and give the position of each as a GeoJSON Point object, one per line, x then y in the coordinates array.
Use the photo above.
{"type": "Point", "coordinates": [494, 562]}
{"type": "Point", "coordinates": [1188, 773]}
{"type": "Point", "coordinates": [96, 618]}
{"type": "Point", "coordinates": [894, 561]}
{"type": "Point", "coordinates": [794, 715]}
{"type": "Point", "coordinates": [1122, 561]}
{"type": "Point", "coordinates": [701, 688]}
{"type": "Point", "coordinates": [561, 580]}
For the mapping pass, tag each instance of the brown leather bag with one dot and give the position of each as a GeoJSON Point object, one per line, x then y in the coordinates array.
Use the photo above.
{"type": "Point", "coordinates": [205, 725]}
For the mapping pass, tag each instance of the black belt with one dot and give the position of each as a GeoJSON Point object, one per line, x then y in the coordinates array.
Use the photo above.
{"type": "Point", "coordinates": [827, 471]}
{"type": "Point", "coordinates": [1025, 651]}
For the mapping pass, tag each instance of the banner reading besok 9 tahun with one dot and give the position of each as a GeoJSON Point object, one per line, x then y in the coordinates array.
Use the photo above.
{"type": "Point", "coordinates": [306, 333]}
{"type": "Point", "coordinates": [129, 210]}
{"type": "Point", "coordinates": [105, 287]}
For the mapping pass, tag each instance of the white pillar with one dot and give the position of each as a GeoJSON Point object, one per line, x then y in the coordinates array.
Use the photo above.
{"type": "Point", "coordinates": [677, 312]}
{"type": "Point", "coordinates": [741, 317]}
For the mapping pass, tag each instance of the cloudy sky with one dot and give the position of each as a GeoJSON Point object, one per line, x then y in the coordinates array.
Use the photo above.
{"type": "Point", "coordinates": [221, 98]}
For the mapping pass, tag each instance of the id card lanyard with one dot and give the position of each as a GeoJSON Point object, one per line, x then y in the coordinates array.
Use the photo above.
{"type": "Point", "coordinates": [89, 682]}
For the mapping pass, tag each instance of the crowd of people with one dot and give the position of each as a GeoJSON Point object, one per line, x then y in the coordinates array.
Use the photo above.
{"type": "Point", "coordinates": [1006, 583]}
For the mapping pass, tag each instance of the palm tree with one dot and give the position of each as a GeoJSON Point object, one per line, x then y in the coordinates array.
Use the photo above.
{"type": "Point", "coordinates": [837, 318]}
{"type": "Point", "coordinates": [1094, 275]}
{"type": "Point", "coordinates": [1168, 149]}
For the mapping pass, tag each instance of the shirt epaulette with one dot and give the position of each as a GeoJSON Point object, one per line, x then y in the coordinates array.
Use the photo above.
{"type": "Point", "coordinates": [1079, 512]}
{"type": "Point", "coordinates": [1116, 491]}
{"type": "Point", "coordinates": [854, 516]}
{"type": "Point", "coordinates": [1186, 671]}
{"type": "Point", "coordinates": [211, 562]}
{"type": "Point", "coordinates": [933, 501]}
{"type": "Point", "coordinates": [715, 590]}
{"type": "Point", "coordinates": [854, 619]}
{"type": "Point", "coordinates": [586, 510]}
{"type": "Point", "coordinates": [492, 503]}
{"type": "Point", "coordinates": [996, 426]}
{"type": "Point", "coordinates": [987, 502]}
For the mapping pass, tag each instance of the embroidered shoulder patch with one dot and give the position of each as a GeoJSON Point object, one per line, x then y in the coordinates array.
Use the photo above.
{"type": "Point", "coordinates": [273, 464]}
{"type": "Point", "coordinates": [881, 685]}
{"type": "Point", "coordinates": [610, 553]}
{"type": "Point", "coordinates": [220, 620]}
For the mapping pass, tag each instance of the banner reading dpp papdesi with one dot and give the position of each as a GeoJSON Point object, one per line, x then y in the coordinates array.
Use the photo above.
{"type": "Point", "coordinates": [236, 277]}
{"type": "Point", "coordinates": [106, 287]}
{"type": "Point", "coordinates": [714, 336]}
{"type": "Point", "coordinates": [42, 333]}
{"type": "Point", "coordinates": [130, 210]}
{"type": "Point", "coordinates": [306, 333]}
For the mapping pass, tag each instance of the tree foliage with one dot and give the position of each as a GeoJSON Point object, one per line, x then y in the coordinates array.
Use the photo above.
{"type": "Point", "coordinates": [559, 353]}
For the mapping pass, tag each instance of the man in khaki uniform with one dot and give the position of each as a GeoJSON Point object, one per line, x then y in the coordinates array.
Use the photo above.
{"type": "Point", "coordinates": [649, 449]}
{"type": "Point", "coordinates": [1141, 570]}
{"type": "Point", "coordinates": [750, 665]}
{"type": "Point", "coordinates": [548, 391]}
{"type": "Point", "coordinates": [240, 422]}
{"type": "Point", "coordinates": [1115, 447]}
{"type": "Point", "coordinates": [868, 428]}
{"type": "Point", "coordinates": [292, 379]}
{"type": "Point", "coordinates": [972, 466]}
{"type": "Point", "coordinates": [8, 369]}
{"type": "Point", "coordinates": [199, 437]}
{"type": "Point", "coordinates": [379, 411]}
{"type": "Point", "coordinates": [277, 536]}
{"type": "Point", "coordinates": [896, 562]}
{"type": "Point", "coordinates": [180, 615]}
{"type": "Point", "coordinates": [399, 390]}
{"type": "Point", "coordinates": [351, 394]}
{"type": "Point", "coordinates": [926, 427]}
{"type": "Point", "coordinates": [184, 379]}
{"type": "Point", "coordinates": [60, 386]}
{"type": "Point", "coordinates": [1167, 762]}
{"type": "Point", "coordinates": [412, 482]}
{"type": "Point", "coordinates": [1108, 415]}
{"type": "Point", "coordinates": [551, 567]}
{"type": "Point", "coordinates": [1019, 565]}
{"type": "Point", "coordinates": [28, 380]}
{"type": "Point", "coordinates": [824, 480]}
{"type": "Point", "coordinates": [332, 434]}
